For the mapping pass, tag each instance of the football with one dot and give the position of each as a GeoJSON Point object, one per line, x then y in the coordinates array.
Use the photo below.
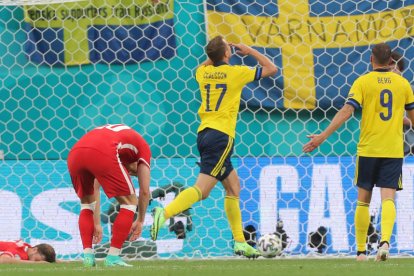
{"type": "Point", "coordinates": [269, 245]}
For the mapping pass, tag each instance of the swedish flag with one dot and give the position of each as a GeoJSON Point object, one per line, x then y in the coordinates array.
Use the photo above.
{"type": "Point", "coordinates": [321, 46]}
{"type": "Point", "coordinates": [100, 31]}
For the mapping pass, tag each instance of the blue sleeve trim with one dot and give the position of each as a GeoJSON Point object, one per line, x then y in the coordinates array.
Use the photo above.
{"type": "Point", "coordinates": [409, 106]}
{"type": "Point", "coordinates": [354, 103]}
{"type": "Point", "coordinates": [258, 73]}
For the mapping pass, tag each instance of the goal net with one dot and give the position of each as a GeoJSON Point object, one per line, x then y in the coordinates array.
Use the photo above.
{"type": "Point", "coordinates": [70, 66]}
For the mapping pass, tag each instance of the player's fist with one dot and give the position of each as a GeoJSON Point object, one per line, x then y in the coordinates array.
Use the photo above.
{"type": "Point", "coordinates": [97, 234]}
{"type": "Point", "coordinates": [136, 230]}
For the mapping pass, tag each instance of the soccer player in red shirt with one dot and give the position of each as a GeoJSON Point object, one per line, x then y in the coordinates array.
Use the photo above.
{"type": "Point", "coordinates": [19, 252]}
{"type": "Point", "coordinates": [108, 155]}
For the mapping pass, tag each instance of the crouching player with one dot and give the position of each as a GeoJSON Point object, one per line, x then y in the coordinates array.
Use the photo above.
{"type": "Point", "coordinates": [110, 154]}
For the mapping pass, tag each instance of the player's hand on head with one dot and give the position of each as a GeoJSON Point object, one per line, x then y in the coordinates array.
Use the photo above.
{"type": "Point", "coordinates": [241, 49]}
{"type": "Point", "coordinates": [136, 230]}
{"type": "Point", "coordinates": [97, 234]}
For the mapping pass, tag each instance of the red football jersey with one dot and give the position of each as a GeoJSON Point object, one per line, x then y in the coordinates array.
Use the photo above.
{"type": "Point", "coordinates": [15, 249]}
{"type": "Point", "coordinates": [107, 139]}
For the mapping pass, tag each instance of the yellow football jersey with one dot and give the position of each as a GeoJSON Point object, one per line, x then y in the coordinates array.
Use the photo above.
{"type": "Point", "coordinates": [221, 88]}
{"type": "Point", "coordinates": [383, 97]}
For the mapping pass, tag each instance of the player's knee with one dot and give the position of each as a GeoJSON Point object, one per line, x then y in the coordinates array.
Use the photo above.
{"type": "Point", "coordinates": [235, 193]}
{"type": "Point", "coordinates": [88, 206]}
{"type": "Point", "coordinates": [132, 208]}
{"type": "Point", "coordinates": [127, 200]}
{"type": "Point", "coordinates": [203, 191]}
{"type": "Point", "coordinates": [232, 190]}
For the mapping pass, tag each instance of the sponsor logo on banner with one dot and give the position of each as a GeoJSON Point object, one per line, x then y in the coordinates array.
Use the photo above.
{"type": "Point", "coordinates": [100, 31]}
{"type": "Point", "coordinates": [39, 204]}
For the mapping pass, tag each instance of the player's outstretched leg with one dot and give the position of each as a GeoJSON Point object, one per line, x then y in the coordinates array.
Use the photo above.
{"type": "Point", "coordinates": [89, 260]}
{"type": "Point", "coordinates": [158, 222]}
{"type": "Point", "coordinates": [383, 251]}
{"type": "Point", "coordinates": [114, 260]}
{"type": "Point", "coordinates": [244, 249]}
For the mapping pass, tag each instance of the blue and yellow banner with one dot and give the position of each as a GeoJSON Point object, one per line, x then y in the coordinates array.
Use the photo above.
{"type": "Point", "coordinates": [320, 46]}
{"type": "Point", "coordinates": [100, 31]}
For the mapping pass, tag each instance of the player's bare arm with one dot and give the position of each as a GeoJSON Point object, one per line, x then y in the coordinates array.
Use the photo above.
{"type": "Point", "coordinates": [143, 174]}
{"type": "Point", "coordinates": [407, 122]}
{"type": "Point", "coordinates": [341, 117]}
{"type": "Point", "coordinates": [268, 67]}
{"type": "Point", "coordinates": [410, 119]}
{"type": "Point", "coordinates": [97, 233]}
{"type": "Point", "coordinates": [7, 259]}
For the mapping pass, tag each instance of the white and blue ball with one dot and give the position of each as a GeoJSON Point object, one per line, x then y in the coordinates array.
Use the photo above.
{"type": "Point", "coordinates": [269, 245]}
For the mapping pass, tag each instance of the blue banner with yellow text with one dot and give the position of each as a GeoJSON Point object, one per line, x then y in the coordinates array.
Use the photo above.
{"type": "Point", "coordinates": [320, 46]}
{"type": "Point", "coordinates": [100, 31]}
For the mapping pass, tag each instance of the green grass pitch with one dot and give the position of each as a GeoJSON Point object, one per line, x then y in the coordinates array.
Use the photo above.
{"type": "Point", "coordinates": [228, 267]}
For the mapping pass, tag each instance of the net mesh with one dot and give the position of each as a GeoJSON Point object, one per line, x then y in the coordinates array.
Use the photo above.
{"type": "Point", "coordinates": [69, 67]}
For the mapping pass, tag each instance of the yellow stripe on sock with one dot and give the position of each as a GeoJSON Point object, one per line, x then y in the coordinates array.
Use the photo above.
{"type": "Point", "coordinates": [200, 195]}
{"type": "Point", "coordinates": [223, 157]}
{"type": "Point", "coordinates": [360, 203]}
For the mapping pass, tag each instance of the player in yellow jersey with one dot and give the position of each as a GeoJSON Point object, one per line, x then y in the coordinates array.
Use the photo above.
{"type": "Point", "coordinates": [383, 96]}
{"type": "Point", "coordinates": [221, 86]}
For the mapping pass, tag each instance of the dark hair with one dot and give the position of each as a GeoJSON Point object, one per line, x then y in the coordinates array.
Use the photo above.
{"type": "Point", "coordinates": [382, 54]}
{"type": "Point", "coordinates": [397, 58]}
{"type": "Point", "coordinates": [47, 251]}
{"type": "Point", "coordinates": [216, 49]}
